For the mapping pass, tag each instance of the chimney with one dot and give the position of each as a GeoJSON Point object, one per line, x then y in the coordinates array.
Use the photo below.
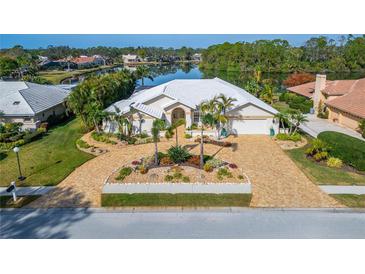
{"type": "Point", "coordinates": [320, 85]}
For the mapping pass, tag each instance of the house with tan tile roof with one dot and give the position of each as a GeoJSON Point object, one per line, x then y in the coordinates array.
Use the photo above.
{"type": "Point", "coordinates": [344, 99]}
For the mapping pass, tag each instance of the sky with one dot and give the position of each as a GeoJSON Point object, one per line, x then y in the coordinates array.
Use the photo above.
{"type": "Point", "coordinates": [32, 41]}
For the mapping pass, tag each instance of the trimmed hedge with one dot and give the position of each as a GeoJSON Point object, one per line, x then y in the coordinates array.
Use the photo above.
{"type": "Point", "coordinates": [349, 149]}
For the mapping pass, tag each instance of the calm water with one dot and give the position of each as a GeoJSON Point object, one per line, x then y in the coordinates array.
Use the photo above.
{"type": "Point", "coordinates": [164, 73]}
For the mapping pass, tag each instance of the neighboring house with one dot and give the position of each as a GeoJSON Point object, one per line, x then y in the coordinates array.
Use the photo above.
{"type": "Point", "coordinates": [29, 103]}
{"type": "Point", "coordinates": [344, 99]}
{"type": "Point", "coordinates": [180, 99]}
{"type": "Point", "coordinates": [86, 61]}
{"type": "Point", "coordinates": [130, 58]}
{"type": "Point", "coordinates": [57, 64]}
{"type": "Point", "coordinates": [197, 56]}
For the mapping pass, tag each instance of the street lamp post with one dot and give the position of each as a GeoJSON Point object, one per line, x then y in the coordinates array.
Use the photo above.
{"type": "Point", "coordinates": [16, 150]}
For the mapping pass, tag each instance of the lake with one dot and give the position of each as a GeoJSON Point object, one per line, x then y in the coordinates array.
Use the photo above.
{"type": "Point", "coordinates": [164, 73]}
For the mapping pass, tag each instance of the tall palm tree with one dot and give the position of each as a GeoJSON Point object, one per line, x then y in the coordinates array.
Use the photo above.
{"type": "Point", "coordinates": [157, 126]}
{"type": "Point", "coordinates": [225, 102]}
{"type": "Point", "coordinates": [175, 125]}
{"type": "Point", "coordinates": [267, 93]}
{"type": "Point", "coordinates": [298, 119]}
{"type": "Point", "coordinates": [206, 120]}
{"type": "Point", "coordinates": [282, 117]}
{"type": "Point", "coordinates": [143, 72]}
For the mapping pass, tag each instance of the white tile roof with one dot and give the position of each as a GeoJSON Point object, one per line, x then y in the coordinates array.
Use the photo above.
{"type": "Point", "coordinates": [27, 99]}
{"type": "Point", "coordinates": [192, 92]}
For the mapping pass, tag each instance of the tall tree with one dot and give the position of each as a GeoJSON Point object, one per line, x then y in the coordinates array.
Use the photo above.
{"type": "Point", "coordinates": [157, 126]}
{"type": "Point", "coordinates": [143, 72]}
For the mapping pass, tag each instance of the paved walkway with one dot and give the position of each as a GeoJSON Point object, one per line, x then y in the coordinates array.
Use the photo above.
{"type": "Point", "coordinates": [177, 188]}
{"type": "Point", "coordinates": [276, 180]}
{"type": "Point", "coordinates": [29, 190]}
{"type": "Point", "coordinates": [329, 189]}
{"type": "Point", "coordinates": [315, 125]}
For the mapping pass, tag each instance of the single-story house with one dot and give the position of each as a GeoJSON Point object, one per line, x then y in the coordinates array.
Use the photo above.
{"type": "Point", "coordinates": [130, 58]}
{"type": "Point", "coordinates": [180, 99]}
{"type": "Point", "coordinates": [29, 103]}
{"type": "Point", "coordinates": [344, 99]}
{"type": "Point", "coordinates": [86, 61]}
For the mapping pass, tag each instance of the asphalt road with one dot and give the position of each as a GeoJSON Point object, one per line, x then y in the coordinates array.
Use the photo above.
{"type": "Point", "coordinates": [219, 223]}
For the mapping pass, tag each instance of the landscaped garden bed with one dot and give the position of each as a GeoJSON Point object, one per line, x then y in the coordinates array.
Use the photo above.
{"type": "Point", "coordinates": [180, 199]}
{"type": "Point", "coordinates": [287, 142]}
{"type": "Point", "coordinates": [178, 166]}
{"type": "Point", "coordinates": [85, 147]}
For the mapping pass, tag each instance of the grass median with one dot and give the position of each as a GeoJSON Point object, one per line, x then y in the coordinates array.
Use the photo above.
{"type": "Point", "coordinates": [350, 200]}
{"type": "Point", "coordinates": [181, 199]}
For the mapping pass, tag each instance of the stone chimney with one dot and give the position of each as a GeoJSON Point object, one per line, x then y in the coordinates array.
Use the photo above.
{"type": "Point", "coordinates": [318, 87]}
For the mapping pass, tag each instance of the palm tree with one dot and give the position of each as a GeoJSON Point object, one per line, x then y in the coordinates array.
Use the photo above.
{"type": "Point", "coordinates": [175, 125]}
{"type": "Point", "coordinates": [298, 119]}
{"type": "Point", "coordinates": [143, 72]}
{"type": "Point", "coordinates": [95, 115]}
{"type": "Point", "coordinates": [206, 120]}
{"type": "Point", "coordinates": [157, 126]}
{"type": "Point", "coordinates": [267, 93]}
{"type": "Point", "coordinates": [282, 117]}
{"type": "Point", "coordinates": [225, 102]}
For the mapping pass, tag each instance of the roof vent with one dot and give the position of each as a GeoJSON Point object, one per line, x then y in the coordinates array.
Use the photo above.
{"type": "Point", "coordinates": [16, 103]}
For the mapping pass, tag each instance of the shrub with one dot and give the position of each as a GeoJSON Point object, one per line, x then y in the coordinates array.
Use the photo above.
{"type": "Point", "coordinates": [223, 172]}
{"type": "Point", "coordinates": [188, 136]}
{"type": "Point", "coordinates": [144, 141]}
{"type": "Point", "coordinates": [240, 177]}
{"type": "Point", "coordinates": [32, 136]}
{"type": "Point", "coordinates": [295, 137]}
{"type": "Point", "coordinates": [130, 140]}
{"type": "Point", "coordinates": [334, 162]}
{"type": "Point", "coordinates": [349, 149]}
{"type": "Point", "coordinates": [186, 179]}
{"type": "Point", "coordinates": [215, 162]}
{"type": "Point", "coordinates": [136, 162]}
{"type": "Point", "coordinates": [142, 135]}
{"type": "Point", "coordinates": [42, 130]}
{"type": "Point", "coordinates": [165, 161]}
{"type": "Point", "coordinates": [177, 175]}
{"type": "Point", "coordinates": [7, 146]}
{"type": "Point", "coordinates": [316, 146]}
{"type": "Point", "coordinates": [319, 156]}
{"type": "Point", "coordinates": [168, 178]}
{"type": "Point", "coordinates": [102, 137]}
{"type": "Point", "coordinates": [194, 160]}
{"type": "Point", "coordinates": [161, 155]}
{"type": "Point", "coordinates": [233, 166]}
{"type": "Point", "coordinates": [143, 169]}
{"type": "Point", "coordinates": [123, 173]}
{"type": "Point", "coordinates": [178, 154]}
{"type": "Point", "coordinates": [82, 144]}
{"type": "Point", "coordinates": [208, 167]}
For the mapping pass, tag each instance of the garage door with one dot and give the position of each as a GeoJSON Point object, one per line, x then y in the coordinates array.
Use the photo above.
{"type": "Point", "coordinates": [250, 127]}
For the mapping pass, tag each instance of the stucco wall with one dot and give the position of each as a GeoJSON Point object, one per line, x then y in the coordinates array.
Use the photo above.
{"type": "Point", "coordinates": [343, 118]}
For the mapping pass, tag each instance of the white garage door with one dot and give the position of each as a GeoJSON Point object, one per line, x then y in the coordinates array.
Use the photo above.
{"type": "Point", "coordinates": [250, 127]}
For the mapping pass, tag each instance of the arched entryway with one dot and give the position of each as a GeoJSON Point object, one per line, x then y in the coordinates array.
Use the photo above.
{"type": "Point", "coordinates": [177, 113]}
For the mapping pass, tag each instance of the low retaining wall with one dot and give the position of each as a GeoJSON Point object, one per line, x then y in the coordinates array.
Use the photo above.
{"type": "Point", "coordinates": [214, 188]}
{"type": "Point", "coordinates": [333, 189]}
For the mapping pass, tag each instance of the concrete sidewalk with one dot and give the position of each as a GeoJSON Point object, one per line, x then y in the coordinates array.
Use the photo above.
{"type": "Point", "coordinates": [26, 191]}
{"type": "Point", "coordinates": [331, 189]}
{"type": "Point", "coordinates": [315, 126]}
{"type": "Point", "coordinates": [215, 188]}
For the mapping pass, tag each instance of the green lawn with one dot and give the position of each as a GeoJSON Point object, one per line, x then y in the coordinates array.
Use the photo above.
{"type": "Point", "coordinates": [46, 161]}
{"type": "Point", "coordinates": [350, 200]}
{"type": "Point", "coordinates": [349, 149]}
{"type": "Point", "coordinates": [7, 201]}
{"type": "Point", "coordinates": [56, 76]}
{"type": "Point", "coordinates": [324, 175]}
{"type": "Point", "coordinates": [165, 199]}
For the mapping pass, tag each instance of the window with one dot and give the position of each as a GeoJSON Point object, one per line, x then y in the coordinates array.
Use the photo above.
{"type": "Point", "coordinates": [196, 117]}
{"type": "Point", "coordinates": [27, 119]}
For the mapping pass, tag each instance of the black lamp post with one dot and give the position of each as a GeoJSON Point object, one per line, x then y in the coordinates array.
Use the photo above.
{"type": "Point", "coordinates": [16, 150]}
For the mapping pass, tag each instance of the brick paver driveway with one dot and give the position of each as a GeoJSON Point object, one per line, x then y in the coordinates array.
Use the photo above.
{"type": "Point", "coordinates": [276, 180]}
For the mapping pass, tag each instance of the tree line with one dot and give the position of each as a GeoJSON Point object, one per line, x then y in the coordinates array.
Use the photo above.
{"type": "Point", "coordinates": [318, 54]}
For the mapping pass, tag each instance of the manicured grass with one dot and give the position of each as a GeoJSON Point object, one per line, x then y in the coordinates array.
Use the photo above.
{"type": "Point", "coordinates": [166, 199]}
{"type": "Point", "coordinates": [350, 200]}
{"type": "Point", "coordinates": [56, 76]}
{"type": "Point", "coordinates": [324, 175]}
{"type": "Point", "coordinates": [46, 161]}
{"type": "Point", "coordinates": [7, 201]}
{"type": "Point", "coordinates": [349, 149]}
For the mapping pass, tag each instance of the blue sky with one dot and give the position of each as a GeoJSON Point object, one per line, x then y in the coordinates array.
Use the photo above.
{"type": "Point", "coordinates": [135, 40]}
